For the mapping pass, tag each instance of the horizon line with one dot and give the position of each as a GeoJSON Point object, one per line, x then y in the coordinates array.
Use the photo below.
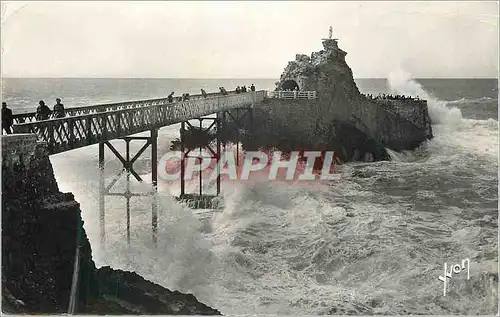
{"type": "Point", "coordinates": [226, 78]}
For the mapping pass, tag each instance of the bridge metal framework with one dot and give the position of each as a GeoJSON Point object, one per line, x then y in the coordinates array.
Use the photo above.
{"type": "Point", "coordinates": [100, 124]}
{"type": "Point", "coordinates": [219, 124]}
{"type": "Point", "coordinates": [77, 111]}
{"type": "Point", "coordinates": [128, 170]}
{"type": "Point", "coordinates": [71, 132]}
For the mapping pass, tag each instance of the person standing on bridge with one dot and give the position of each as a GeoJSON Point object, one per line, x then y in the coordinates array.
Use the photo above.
{"type": "Point", "coordinates": [59, 109]}
{"type": "Point", "coordinates": [7, 118]}
{"type": "Point", "coordinates": [203, 93]}
{"type": "Point", "coordinates": [223, 91]}
{"type": "Point", "coordinates": [170, 97]}
{"type": "Point", "coordinates": [252, 87]}
{"type": "Point", "coordinates": [42, 112]}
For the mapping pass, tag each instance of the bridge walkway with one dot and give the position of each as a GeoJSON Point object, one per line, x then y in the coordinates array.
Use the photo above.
{"type": "Point", "coordinates": [96, 124]}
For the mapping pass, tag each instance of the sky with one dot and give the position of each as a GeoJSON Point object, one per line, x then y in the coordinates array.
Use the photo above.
{"type": "Point", "coordinates": [245, 39]}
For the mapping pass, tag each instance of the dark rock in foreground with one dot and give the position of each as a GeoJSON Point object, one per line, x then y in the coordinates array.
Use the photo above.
{"type": "Point", "coordinates": [40, 226]}
{"type": "Point", "coordinates": [143, 297]}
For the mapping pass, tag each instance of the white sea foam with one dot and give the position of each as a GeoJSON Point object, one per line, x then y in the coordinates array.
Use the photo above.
{"type": "Point", "coordinates": [470, 101]}
{"type": "Point", "coordinates": [451, 131]}
{"type": "Point", "coordinates": [401, 82]}
{"type": "Point", "coordinates": [367, 244]}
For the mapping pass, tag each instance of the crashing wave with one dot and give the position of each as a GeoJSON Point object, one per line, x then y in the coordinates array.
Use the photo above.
{"type": "Point", "coordinates": [468, 101]}
{"type": "Point", "coordinates": [401, 82]}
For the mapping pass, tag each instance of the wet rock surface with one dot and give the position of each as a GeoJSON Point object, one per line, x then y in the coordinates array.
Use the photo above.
{"type": "Point", "coordinates": [132, 292]}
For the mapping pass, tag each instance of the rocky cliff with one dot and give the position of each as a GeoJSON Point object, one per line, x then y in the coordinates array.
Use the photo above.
{"type": "Point", "coordinates": [340, 118]}
{"type": "Point", "coordinates": [41, 228]}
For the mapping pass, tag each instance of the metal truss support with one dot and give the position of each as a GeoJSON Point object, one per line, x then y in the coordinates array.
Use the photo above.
{"type": "Point", "coordinates": [128, 170]}
{"type": "Point", "coordinates": [237, 115]}
{"type": "Point", "coordinates": [200, 199]}
{"type": "Point", "coordinates": [221, 122]}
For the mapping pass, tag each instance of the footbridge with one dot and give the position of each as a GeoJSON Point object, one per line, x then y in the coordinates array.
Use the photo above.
{"type": "Point", "coordinates": [100, 124]}
{"type": "Point", "coordinates": [85, 126]}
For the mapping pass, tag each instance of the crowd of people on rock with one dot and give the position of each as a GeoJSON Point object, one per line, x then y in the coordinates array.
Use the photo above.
{"type": "Point", "coordinates": [43, 112]}
{"type": "Point", "coordinates": [296, 89]}
{"type": "Point", "coordinates": [390, 97]}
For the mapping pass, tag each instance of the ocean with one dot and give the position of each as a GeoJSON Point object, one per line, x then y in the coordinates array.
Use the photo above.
{"type": "Point", "coordinates": [374, 242]}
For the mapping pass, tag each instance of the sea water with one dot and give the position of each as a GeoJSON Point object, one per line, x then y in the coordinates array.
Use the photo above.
{"type": "Point", "coordinates": [374, 242]}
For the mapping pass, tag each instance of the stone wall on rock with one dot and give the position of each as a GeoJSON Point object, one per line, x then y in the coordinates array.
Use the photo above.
{"type": "Point", "coordinates": [39, 238]}
{"type": "Point", "coordinates": [415, 111]}
{"type": "Point", "coordinates": [294, 125]}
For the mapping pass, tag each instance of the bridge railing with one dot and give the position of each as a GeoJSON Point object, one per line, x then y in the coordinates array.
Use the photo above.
{"type": "Point", "coordinates": [76, 111]}
{"type": "Point", "coordinates": [281, 94]}
{"type": "Point", "coordinates": [72, 132]}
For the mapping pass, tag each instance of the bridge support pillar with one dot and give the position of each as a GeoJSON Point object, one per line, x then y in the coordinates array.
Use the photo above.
{"type": "Point", "coordinates": [234, 119]}
{"type": "Point", "coordinates": [225, 120]}
{"type": "Point", "coordinates": [128, 169]}
{"type": "Point", "coordinates": [200, 199]}
{"type": "Point", "coordinates": [102, 200]}
{"type": "Point", "coordinates": [154, 180]}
